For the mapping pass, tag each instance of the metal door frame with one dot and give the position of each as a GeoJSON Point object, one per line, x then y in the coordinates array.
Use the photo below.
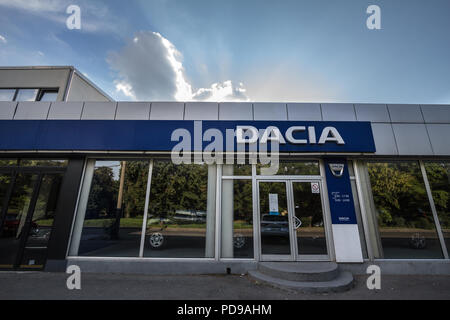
{"type": "Point", "coordinates": [312, 257]}
{"type": "Point", "coordinates": [40, 172]}
{"type": "Point", "coordinates": [294, 256]}
{"type": "Point", "coordinates": [277, 257]}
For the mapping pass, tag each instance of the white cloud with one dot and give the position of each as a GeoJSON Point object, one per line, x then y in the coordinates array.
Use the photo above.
{"type": "Point", "coordinates": [3, 39]}
{"type": "Point", "coordinates": [222, 92]}
{"type": "Point", "coordinates": [149, 67]}
{"type": "Point", "coordinates": [125, 88]}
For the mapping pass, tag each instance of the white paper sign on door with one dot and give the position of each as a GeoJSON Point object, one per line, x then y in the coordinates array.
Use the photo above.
{"type": "Point", "coordinates": [273, 203]}
{"type": "Point", "coordinates": [315, 187]}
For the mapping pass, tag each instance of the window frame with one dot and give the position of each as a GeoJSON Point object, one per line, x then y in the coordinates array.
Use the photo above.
{"type": "Point", "coordinates": [369, 203]}
{"type": "Point", "coordinates": [39, 95]}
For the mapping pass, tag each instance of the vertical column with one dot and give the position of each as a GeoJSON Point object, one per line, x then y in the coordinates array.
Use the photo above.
{"type": "Point", "coordinates": [347, 244]}
{"type": "Point", "coordinates": [370, 222]}
{"type": "Point", "coordinates": [211, 211]}
{"type": "Point", "coordinates": [147, 201]}
{"type": "Point", "coordinates": [227, 213]}
{"type": "Point", "coordinates": [82, 205]}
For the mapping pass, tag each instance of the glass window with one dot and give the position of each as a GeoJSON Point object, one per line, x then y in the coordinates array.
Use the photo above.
{"type": "Point", "coordinates": [294, 168]}
{"type": "Point", "coordinates": [7, 94]}
{"type": "Point", "coordinates": [48, 95]}
{"type": "Point", "coordinates": [27, 94]}
{"type": "Point", "coordinates": [405, 221]}
{"type": "Point", "coordinates": [114, 215]}
{"type": "Point", "coordinates": [237, 219]}
{"type": "Point", "coordinates": [15, 218]}
{"type": "Point", "coordinates": [5, 180]}
{"type": "Point", "coordinates": [181, 213]}
{"type": "Point", "coordinates": [438, 174]}
{"type": "Point", "coordinates": [35, 252]}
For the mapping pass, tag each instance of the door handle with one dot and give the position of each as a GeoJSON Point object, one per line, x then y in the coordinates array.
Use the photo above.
{"type": "Point", "coordinates": [297, 223]}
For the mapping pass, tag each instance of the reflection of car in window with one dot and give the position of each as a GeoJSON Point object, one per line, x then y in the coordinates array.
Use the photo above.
{"type": "Point", "coordinates": [157, 226]}
{"type": "Point", "coordinates": [274, 225]}
{"type": "Point", "coordinates": [190, 216]}
{"type": "Point", "coordinates": [417, 241]}
{"type": "Point", "coordinates": [12, 223]}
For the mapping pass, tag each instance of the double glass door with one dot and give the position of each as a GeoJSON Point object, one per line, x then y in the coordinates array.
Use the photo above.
{"type": "Point", "coordinates": [27, 209]}
{"type": "Point", "coordinates": [291, 220]}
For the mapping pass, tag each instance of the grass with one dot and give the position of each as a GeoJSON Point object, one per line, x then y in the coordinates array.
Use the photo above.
{"type": "Point", "coordinates": [136, 222]}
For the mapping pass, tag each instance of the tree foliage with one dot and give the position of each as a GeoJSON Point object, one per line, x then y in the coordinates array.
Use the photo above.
{"type": "Point", "coordinates": [399, 195]}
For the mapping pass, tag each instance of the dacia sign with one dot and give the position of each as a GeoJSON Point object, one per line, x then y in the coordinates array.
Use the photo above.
{"type": "Point", "coordinates": [166, 135]}
{"type": "Point", "coordinates": [273, 134]}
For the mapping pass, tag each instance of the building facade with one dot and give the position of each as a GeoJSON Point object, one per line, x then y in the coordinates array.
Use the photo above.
{"type": "Point", "coordinates": [97, 184]}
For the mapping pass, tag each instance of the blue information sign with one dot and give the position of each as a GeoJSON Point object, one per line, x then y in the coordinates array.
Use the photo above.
{"type": "Point", "coordinates": [339, 192]}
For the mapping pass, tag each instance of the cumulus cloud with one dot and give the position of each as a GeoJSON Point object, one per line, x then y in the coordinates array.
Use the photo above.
{"type": "Point", "coordinates": [222, 92]}
{"type": "Point", "coordinates": [149, 67]}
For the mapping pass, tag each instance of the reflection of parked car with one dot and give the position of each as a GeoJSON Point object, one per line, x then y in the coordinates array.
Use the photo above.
{"type": "Point", "coordinates": [417, 241]}
{"type": "Point", "coordinates": [191, 216]}
{"type": "Point", "coordinates": [11, 225]}
{"type": "Point", "coordinates": [274, 225]}
{"type": "Point", "coordinates": [239, 241]}
{"type": "Point", "coordinates": [157, 226]}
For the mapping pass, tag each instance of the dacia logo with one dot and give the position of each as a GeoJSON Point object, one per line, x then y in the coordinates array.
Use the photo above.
{"type": "Point", "coordinates": [337, 169]}
{"type": "Point", "coordinates": [250, 134]}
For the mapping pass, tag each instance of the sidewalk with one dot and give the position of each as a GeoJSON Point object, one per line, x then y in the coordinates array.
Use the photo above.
{"type": "Point", "coordinates": [39, 285]}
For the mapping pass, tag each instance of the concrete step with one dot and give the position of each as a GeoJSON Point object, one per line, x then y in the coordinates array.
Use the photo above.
{"type": "Point", "coordinates": [343, 282]}
{"type": "Point", "coordinates": [300, 271]}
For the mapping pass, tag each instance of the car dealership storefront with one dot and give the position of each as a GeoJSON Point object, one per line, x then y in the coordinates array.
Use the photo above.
{"type": "Point", "coordinates": [111, 192]}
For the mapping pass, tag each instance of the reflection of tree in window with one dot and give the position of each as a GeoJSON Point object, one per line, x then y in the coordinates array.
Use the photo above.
{"type": "Point", "coordinates": [243, 206]}
{"type": "Point", "coordinates": [103, 195]}
{"type": "Point", "coordinates": [177, 187]}
{"type": "Point", "coordinates": [135, 187]}
{"type": "Point", "coordinates": [405, 220]}
{"type": "Point", "coordinates": [400, 195]}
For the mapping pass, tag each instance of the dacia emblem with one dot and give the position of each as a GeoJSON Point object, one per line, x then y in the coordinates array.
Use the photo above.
{"type": "Point", "coordinates": [337, 169]}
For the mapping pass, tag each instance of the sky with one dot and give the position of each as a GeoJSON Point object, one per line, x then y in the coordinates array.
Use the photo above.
{"type": "Point", "coordinates": [240, 50]}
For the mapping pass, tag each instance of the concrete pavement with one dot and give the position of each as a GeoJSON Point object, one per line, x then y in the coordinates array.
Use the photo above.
{"type": "Point", "coordinates": [41, 285]}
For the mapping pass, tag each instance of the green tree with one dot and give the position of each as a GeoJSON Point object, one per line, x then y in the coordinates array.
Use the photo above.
{"type": "Point", "coordinates": [399, 195]}
{"type": "Point", "coordinates": [103, 194]}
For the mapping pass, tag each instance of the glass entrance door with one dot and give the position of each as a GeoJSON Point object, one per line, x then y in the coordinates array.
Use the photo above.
{"type": "Point", "coordinates": [275, 221]}
{"type": "Point", "coordinates": [28, 203]}
{"type": "Point", "coordinates": [291, 220]}
{"type": "Point", "coordinates": [310, 237]}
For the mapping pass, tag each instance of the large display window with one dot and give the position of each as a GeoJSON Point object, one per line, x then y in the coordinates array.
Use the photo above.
{"type": "Point", "coordinates": [406, 226]}
{"type": "Point", "coordinates": [179, 223]}
{"type": "Point", "coordinates": [115, 209]}
{"type": "Point", "coordinates": [145, 208]}
{"type": "Point", "coordinates": [237, 218]}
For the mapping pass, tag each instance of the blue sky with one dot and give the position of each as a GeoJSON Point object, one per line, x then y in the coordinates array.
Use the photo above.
{"type": "Point", "coordinates": [245, 50]}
